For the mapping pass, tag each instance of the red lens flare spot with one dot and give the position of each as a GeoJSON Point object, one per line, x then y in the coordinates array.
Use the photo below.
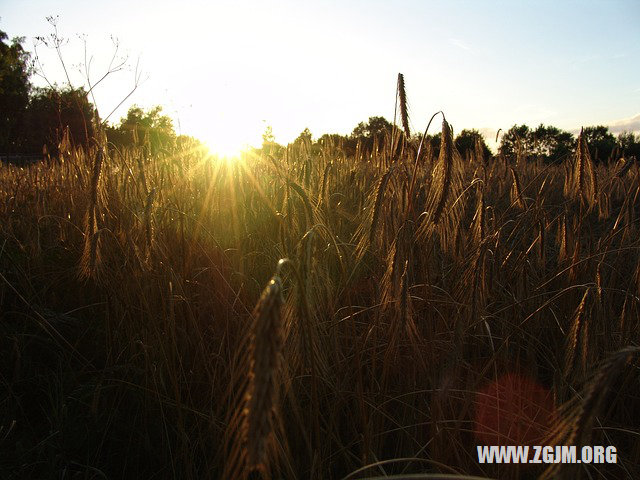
{"type": "Point", "coordinates": [513, 410]}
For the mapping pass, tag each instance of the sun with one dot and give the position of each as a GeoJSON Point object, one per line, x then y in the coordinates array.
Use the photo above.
{"type": "Point", "coordinates": [227, 137]}
{"type": "Point", "coordinates": [225, 149]}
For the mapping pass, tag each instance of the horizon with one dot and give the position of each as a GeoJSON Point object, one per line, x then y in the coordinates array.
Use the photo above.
{"type": "Point", "coordinates": [289, 66]}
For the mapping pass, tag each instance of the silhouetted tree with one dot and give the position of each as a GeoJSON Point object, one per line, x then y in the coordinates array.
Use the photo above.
{"type": "Point", "coordinates": [516, 140]}
{"type": "Point", "coordinates": [466, 141]}
{"type": "Point", "coordinates": [305, 136]}
{"type": "Point", "coordinates": [434, 143]}
{"type": "Point", "coordinates": [14, 93]}
{"type": "Point", "coordinates": [376, 127]}
{"type": "Point", "coordinates": [304, 143]}
{"type": "Point", "coordinates": [268, 139]}
{"type": "Point", "coordinates": [331, 138]}
{"type": "Point", "coordinates": [550, 143]}
{"type": "Point", "coordinates": [629, 144]}
{"type": "Point", "coordinates": [547, 142]}
{"type": "Point", "coordinates": [269, 144]}
{"type": "Point", "coordinates": [601, 142]}
{"type": "Point", "coordinates": [367, 133]}
{"type": "Point", "coordinates": [52, 111]}
{"type": "Point", "coordinates": [143, 128]}
{"type": "Point", "coordinates": [340, 143]}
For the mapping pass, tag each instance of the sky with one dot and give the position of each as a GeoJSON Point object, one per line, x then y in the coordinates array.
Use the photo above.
{"type": "Point", "coordinates": [224, 71]}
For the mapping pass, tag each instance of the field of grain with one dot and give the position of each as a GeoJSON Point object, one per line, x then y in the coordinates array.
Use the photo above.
{"type": "Point", "coordinates": [314, 314]}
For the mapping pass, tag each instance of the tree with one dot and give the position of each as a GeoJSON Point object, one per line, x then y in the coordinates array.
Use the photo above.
{"type": "Point", "coordinates": [305, 136]}
{"type": "Point", "coordinates": [269, 144]}
{"type": "Point", "coordinates": [546, 142]}
{"type": "Point", "coordinates": [550, 143]}
{"type": "Point", "coordinates": [14, 93]}
{"type": "Point", "coordinates": [52, 112]}
{"type": "Point", "coordinates": [304, 143]}
{"type": "Point", "coordinates": [368, 133]}
{"type": "Point", "coordinates": [375, 127]}
{"type": "Point", "coordinates": [466, 141]}
{"type": "Point", "coordinates": [434, 142]}
{"type": "Point", "coordinates": [143, 128]}
{"type": "Point", "coordinates": [516, 140]}
{"type": "Point", "coordinates": [334, 140]}
{"type": "Point", "coordinates": [601, 142]}
{"type": "Point", "coordinates": [268, 140]}
{"type": "Point", "coordinates": [629, 144]}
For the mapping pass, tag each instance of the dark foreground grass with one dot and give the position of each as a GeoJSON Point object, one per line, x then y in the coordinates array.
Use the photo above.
{"type": "Point", "coordinates": [499, 303]}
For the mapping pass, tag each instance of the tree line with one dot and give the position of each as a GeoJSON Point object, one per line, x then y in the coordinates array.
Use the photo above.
{"type": "Point", "coordinates": [545, 142]}
{"type": "Point", "coordinates": [35, 119]}
{"type": "Point", "coordinates": [42, 119]}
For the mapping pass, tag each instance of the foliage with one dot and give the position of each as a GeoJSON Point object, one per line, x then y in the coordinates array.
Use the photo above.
{"type": "Point", "coordinates": [14, 92]}
{"type": "Point", "coordinates": [53, 113]}
{"type": "Point", "coordinates": [304, 137]}
{"type": "Point", "coordinates": [334, 139]}
{"type": "Point", "coordinates": [269, 145]}
{"type": "Point", "coordinates": [143, 128]}
{"type": "Point", "coordinates": [375, 127]}
{"type": "Point", "coordinates": [546, 142]}
{"type": "Point", "coordinates": [601, 143]}
{"type": "Point", "coordinates": [515, 141]}
{"type": "Point", "coordinates": [629, 144]}
{"type": "Point", "coordinates": [466, 141]}
{"type": "Point", "coordinates": [554, 145]}
{"type": "Point", "coordinates": [551, 143]}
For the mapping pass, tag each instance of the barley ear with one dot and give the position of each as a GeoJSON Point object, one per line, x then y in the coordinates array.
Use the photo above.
{"type": "Point", "coordinates": [90, 260]}
{"type": "Point", "coordinates": [256, 418]}
{"type": "Point", "coordinates": [516, 191]}
{"type": "Point", "coordinates": [404, 110]}
{"type": "Point", "coordinates": [585, 182]}
{"type": "Point", "coordinates": [264, 351]}
{"type": "Point", "coordinates": [442, 177]}
{"type": "Point", "coordinates": [576, 334]}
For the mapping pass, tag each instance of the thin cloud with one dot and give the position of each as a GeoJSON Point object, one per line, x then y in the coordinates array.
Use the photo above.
{"type": "Point", "coordinates": [617, 126]}
{"type": "Point", "coordinates": [461, 44]}
{"type": "Point", "coordinates": [628, 124]}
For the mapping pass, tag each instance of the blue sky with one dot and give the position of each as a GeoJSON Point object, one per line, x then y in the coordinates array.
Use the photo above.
{"type": "Point", "coordinates": [225, 70]}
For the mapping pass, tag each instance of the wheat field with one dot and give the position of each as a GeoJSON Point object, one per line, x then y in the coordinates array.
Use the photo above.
{"type": "Point", "coordinates": [314, 314]}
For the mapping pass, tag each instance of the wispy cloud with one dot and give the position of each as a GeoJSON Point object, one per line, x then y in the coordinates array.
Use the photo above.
{"type": "Point", "coordinates": [628, 124]}
{"type": "Point", "coordinates": [617, 126]}
{"type": "Point", "coordinates": [461, 44]}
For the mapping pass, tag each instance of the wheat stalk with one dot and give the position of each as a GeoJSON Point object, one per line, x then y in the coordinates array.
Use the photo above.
{"type": "Point", "coordinates": [585, 182]}
{"type": "Point", "coordinates": [576, 334]}
{"type": "Point", "coordinates": [90, 260]}
{"type": "Point", "coordinates": [148, 226]}
{"type": "Point", "coordinates": [255, 419]}
{"type": "Point", "coordinates": [516, 191]}
{"type": "Point", "coordinates": [404, 111]}
{"type": "Point", "coordinates": [443, 207]}
{"type": "Point", "coordinates": [264, 353]}
{"type": "Point", "coordinates": [443, 177]}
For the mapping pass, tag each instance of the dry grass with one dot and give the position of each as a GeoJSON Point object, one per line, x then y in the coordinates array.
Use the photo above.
{"type": "Point", "coordinates": [410, 286]}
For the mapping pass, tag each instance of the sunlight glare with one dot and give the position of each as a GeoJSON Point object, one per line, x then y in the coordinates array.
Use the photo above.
{"type": "Point", "coordinates": [227, 136]}
{"type": "Point", "coordinates": [227, 149]}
